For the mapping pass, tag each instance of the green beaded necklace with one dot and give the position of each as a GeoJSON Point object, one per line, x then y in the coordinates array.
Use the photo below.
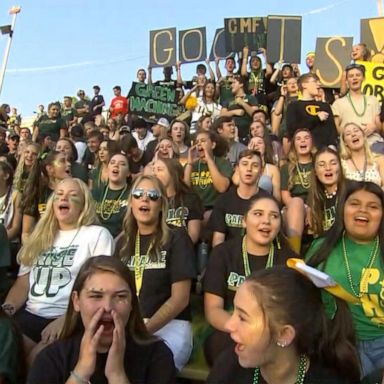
{"type": "Point", "coordinates": [301, 371]}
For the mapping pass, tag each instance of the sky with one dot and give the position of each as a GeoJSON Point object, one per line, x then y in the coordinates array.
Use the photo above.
{"type": "Point", "coordinates": [60, 46]}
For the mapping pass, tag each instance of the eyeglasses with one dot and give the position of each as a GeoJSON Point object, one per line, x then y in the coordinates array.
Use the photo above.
{"type": "Point", "coordinates": [152, 194]}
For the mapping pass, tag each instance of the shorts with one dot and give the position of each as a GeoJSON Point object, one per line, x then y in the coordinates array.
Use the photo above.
{"type": "Point", "coordinates": [371, 354]}
{"type": "Point", "coordinates": [31, 325]}
{"type": "Point", "coordinates": [177, 334]}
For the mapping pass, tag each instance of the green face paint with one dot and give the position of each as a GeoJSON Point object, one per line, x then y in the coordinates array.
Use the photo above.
{"type": "Point", "coordinates": [75, 200]}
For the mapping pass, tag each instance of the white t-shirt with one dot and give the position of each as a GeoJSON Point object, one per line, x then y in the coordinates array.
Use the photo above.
{"type": "Point", "coordinates": [52, 276]}
{"type": "Point", "coordinates": [80, 147]}
{"type": "Point", "coordinates": [142, 143]}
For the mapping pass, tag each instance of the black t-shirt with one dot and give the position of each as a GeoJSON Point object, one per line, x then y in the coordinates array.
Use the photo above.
{"type": "Point", "coordinates": [96, 101]}
{"type": "Point", "coordinates": [176, 262]}
{"type": "Point", "coordinates": [303, 114]}
{"type": "Point", "coordinates": [227, 370]}
{"type": "Point", "coordinates": [228, 212]}
{"type": "Point", "coordinates": [151, 363]}
{"type": "Point", "coordinates": [111, 206]}
{"type": "Point", "coordinates": [151, 148]}
{"type": "Point", "coordinates": [225, 268]}
{"type": "Point", "coordinates": [182, 209]}
{"type": "Point", "coordinates": [138, 166]}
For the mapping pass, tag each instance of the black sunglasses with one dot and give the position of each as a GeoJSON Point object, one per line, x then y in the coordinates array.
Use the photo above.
{"type": "Point", "coordinates": [152, 194]}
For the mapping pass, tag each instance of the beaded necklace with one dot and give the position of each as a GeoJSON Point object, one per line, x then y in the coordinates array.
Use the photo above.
{"type": "Point", "coordinates": [139, 264]}
{"type": "Point", "coordinates": [354, 108]}
{"type": "Point", "coordinates": [367, 273]}
{"type": "Point", "coordinates": [116, 203]}
{"type": "Point", "coordinates": [247, 269]}
{"type": "Point", "coordinates": [330, 195]}
{"type": "Point", "coordinates": [301, 371]}
{"type": "Point", "coordinates": [305, 180]}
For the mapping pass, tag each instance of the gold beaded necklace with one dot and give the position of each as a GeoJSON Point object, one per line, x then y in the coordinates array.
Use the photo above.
{"type": "Point", "coordinates": [366, 275]}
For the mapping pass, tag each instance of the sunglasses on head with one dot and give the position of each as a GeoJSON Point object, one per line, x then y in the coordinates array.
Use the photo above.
{"type": "Point", "coordinates": [152, 194]}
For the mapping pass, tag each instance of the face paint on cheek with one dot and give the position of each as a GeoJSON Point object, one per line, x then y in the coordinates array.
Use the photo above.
{"type": "Point", "coordinates": [56, 198]}
{"type": "Point", "coordinates": [75, 200]}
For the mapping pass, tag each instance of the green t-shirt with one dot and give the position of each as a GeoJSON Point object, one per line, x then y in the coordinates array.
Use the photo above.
{"type": "Point", "coordinates": [51, 127]}
{"type": "Point", "coordinates": [243, 122]}
{"type": "Point", "coordinates": [111, 207]}
{"type": "Point", "coordinates": [79, 172]}
{"type": "Point", "coordinates": [300, 182]}
{"type": "Point", "coordinates": [368, 316]}
{"type": "Point", "coordinates": [68, 114]}
{"type": "Point", "coordinates": [226, 90]}
{"type": "Point", "coordinates": [201, 180]}
{"type": "Point", "coordinates": [95, 176]}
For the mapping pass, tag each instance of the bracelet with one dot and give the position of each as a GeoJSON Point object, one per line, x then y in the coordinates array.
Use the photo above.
{"type": "Point", "coordinates": [9, 309]}
{"type": "Point", "coordinates": [79, 379]}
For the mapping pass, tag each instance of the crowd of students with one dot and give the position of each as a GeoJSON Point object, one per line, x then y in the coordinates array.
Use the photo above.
{"type": "Point", "coordinates": [108, 226]}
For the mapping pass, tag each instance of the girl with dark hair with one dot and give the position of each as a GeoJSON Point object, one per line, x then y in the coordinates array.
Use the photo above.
{"type": "Point", "coordinates": [42, 179]}
{"type": "Point", "coordinates": [210, 173]}
{"type": "Point", "coordinates": [257, 75]}
{"type": "Point", "coordinates": [111, 200]}
{"type": "Point", "coordinates": [66, 146]}
{"type": "Point", "coordinates": [232, 261]}
{"type": "Point", "coordinates": [184, 206]}
{"type": "Point", "coordinates": [326, 187]}
{"type": "Point", "coordinates": [162, 260]}
{"type": "Point", "coordinates": [205, 105]}
{"type": "Point", "coordinates": [283, 335]}
{"type": "Point", "coordinates": [10, 213]}
{"type": "Point", "coordinates": [98, 176]}
{"type": "Point", "coordinates": [104, 338]}
{"type": "Point", "coordinates": [295, 184]}
{"type": "Point", "coordinates": [352, 253]}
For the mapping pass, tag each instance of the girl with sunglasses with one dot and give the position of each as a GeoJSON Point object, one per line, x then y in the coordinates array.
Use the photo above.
{"type": "Point", "coordinates": [111, 200]}
{"type": "Point", "coordinates": [162, 261]}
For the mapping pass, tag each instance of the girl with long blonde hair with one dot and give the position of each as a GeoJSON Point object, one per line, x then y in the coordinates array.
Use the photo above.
{"type": "Point", "coordinates": [161, 259]}
{"type": "Point", "coordinates": [50, 259]}
{"type": "Point", "coordinates": [295, 185]}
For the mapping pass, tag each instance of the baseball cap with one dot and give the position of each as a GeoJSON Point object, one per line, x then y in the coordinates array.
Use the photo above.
{"type": "Point", "coordinates": [163, 122]}
{"type": "Point", "coordinates": [13, 135]}
{"type": "Point", "coordinates": [125, 129]}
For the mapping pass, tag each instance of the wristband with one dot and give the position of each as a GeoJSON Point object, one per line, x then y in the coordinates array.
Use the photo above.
{"type": "Point", "coordinates": [9, 309]}
{"type": "Point", "coordinates": [79, 379]}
